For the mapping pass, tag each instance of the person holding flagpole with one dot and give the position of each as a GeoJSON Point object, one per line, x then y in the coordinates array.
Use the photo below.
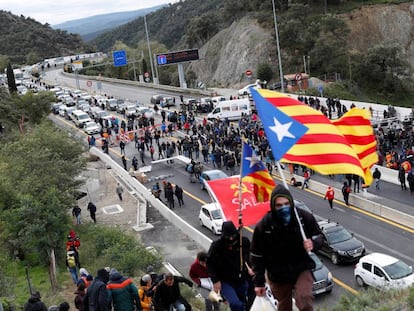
{"type": "Point", "coordinates": [227, 265]}
{"type": "Point", "coordinates": [279, 252]}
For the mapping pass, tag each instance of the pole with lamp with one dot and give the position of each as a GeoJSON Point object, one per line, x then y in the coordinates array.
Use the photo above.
{"type": "Point", "coordinates": [154, 78]}
{"type": "Point", "coordinates": [278, 48]}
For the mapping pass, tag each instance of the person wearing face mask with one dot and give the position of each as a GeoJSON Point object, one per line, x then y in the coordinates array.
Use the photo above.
{"type": "Point", "coordinates": [279, 252]}
{"type": "Point", "coordinates": [227, 265]}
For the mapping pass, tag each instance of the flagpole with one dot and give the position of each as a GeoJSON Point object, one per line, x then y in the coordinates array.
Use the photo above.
{"type": "Point", "coordinates": [240, 188]}
{"type": "Point", "coordinates": [302, 232]}
{"type": "Point", "coordinates": [240, 209]}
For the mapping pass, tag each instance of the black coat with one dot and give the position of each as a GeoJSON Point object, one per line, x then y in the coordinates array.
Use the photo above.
{"type": "Point", "coordinates": [223, 263]}
{"type": "Point", "coordinates": [279, 250]}
{"type": "Point", "coordinates": [96, 298]}
{"type": "Point", "coordinates": [166, 295]}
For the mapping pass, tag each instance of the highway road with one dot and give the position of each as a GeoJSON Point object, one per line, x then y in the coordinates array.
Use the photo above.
{"type": "Point", "coordinates": [377, 234]}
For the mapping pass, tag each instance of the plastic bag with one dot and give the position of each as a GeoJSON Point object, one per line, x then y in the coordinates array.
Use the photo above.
{"type": "Point", "coordinates": [262, 304]}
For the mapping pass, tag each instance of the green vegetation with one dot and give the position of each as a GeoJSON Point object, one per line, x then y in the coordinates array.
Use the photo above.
{"type": "Point", "coordinates": [100, 247]}
{"type": "Point", "coordinates": [39, 170]}
{"type": "Point", "coordinates": [26, 41]}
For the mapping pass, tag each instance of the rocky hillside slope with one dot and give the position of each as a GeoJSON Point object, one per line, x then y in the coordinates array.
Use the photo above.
{"type": "Point", "coordinates": [383, 24]}
{"type": "Point", "coordinates": [226, 56]}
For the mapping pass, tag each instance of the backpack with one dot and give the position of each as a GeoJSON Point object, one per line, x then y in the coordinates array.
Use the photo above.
{"type": "Point", "coordinates": [71, 261]}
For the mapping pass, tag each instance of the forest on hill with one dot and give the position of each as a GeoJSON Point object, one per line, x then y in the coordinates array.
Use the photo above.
{"type": "Point", "coordinates": [24, 40]}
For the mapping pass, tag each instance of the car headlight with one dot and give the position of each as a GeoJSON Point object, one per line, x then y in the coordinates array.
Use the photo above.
{"type": "Point", "coordinates": [330, 277]}
{"type": "Point", "coordinates": [342, 253]}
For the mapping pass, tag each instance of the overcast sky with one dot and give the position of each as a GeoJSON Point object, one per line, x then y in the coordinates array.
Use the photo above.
{"type": "Point", "coordinates": [56, 12]}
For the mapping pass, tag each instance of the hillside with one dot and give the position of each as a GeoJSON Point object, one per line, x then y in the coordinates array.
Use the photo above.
{"type": "Point", "coordinates": [25, 40]}
{"type": "Point", "coordinates": [233, 37]}
{"type": "Point", "coordinates": [390, 24]}
{"type": "Point", "coordinates": [91, 27]}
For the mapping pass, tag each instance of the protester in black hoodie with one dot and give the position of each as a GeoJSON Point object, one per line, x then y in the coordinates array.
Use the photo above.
{"type": "Point", "coordinates": [96, 298]}
{"type": "Point", "coordinates": [34, 303]}
{"type": "Point", "coordinates": [279, 250]}
{"type": "Point", "coordinates": [227, 270]}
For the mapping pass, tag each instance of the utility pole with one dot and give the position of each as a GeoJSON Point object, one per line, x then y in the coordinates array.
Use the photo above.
{"type": "Point", "coordinates": [149, 51]}
{"type": "Point", "coordinates": [278, 49]}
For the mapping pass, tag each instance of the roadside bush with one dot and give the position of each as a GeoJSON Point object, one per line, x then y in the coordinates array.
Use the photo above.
{"type": "Point", "coordinates": [410, 299]}
{"type": "Point", "coordinates": [112, 247]}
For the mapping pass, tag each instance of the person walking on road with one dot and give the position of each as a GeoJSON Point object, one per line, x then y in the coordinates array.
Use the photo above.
{"type": "Point", "coordinates": [179, 194]}
{"type": "Point", "coordinates": [346, 190]}
{"type": "Point", "coordinates": [401, 178]}
{"type": "Point", "coordinates": [124, 162]}
{"type": "Point", "coordinates": [357, 182]}
{"type": "Point", "coordinates": [306, 177]}
{"type": "Point", "coordinates": [377, 177]}
{"type": "Point", "coordinates": [135, 163]}
{"type": "Point", "coordinates": [410, 179]}
{"type": "Point", "coordinates": [119, 191]}
{"type": "Point", "coordinates": [169, 195]}
{"type": "Point", "coordinates": [122, 147]}
{"type": "Point", "coordinates": [330, 195]}
{"type": "Point", "coordinates": [92, 211]}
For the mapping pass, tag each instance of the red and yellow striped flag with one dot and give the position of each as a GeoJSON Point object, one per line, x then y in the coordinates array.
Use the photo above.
{"type": "Point", "coordinates": [357, 129]}
{"type": "Point", "coordinates": [323, 147]}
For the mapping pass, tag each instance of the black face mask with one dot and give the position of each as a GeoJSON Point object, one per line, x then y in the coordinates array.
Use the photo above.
{"type": "Point", "coordinates": [231, 240]}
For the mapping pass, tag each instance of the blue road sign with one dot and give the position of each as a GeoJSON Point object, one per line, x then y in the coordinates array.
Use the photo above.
{"type": "Point", "coordinates": [320, 89]}
{"type": "Point", "coordinates": [161, 59]}
{"type": "Point", "coordinates": [120, 58]}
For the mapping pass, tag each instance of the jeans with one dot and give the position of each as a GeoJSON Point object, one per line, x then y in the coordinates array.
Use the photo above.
{"type": "Point", "coordinates": [377, 182]}
{"type": "Point", "coordinates": [235, 295]}
{"type": "Point", "coordinates": [177, 305]}
{"type": "Point", "coordinates": [74, 274]}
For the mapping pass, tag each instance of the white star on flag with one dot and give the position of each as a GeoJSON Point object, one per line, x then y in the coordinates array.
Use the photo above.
{"type": "Point", "coordinates": [281, 130]}
{"type": "Point", "coordinates": [254, 159]}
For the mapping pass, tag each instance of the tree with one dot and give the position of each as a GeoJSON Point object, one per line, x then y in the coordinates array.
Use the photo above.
{"type": "Point", "coordinates": [264, 72]}
{"type": "Point", "coordinates": [11, 81]}
{"type": "Point", "coordinates": [41, 169]}
{"type": "Point", "coordinates": [383, 69]}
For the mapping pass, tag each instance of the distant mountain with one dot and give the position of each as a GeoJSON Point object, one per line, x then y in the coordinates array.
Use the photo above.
{"type": "Point", "coordinates": [91, 27]}
{"type": "Point", "coordinates": [25, 41]}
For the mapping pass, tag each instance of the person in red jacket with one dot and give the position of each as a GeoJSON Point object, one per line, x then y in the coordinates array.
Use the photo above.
{"type": "Point", "coordinates": [199, 274]}
{"type": "Point", "coordinates": [330, 195]}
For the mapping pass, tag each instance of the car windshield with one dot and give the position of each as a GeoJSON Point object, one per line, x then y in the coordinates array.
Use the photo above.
{"type": "Point", "coordinates": [215, 214]}
{"type": "Point", "coordinates": [398, 270]}
{"type": "Point", "coordinates": [83, 117]}
{"type": "Point", "coordinates": [338, 236]}
{"type": "Point", "coordinates": [318, 262]}
{"type": "Point", "coordinates": [217, 175]}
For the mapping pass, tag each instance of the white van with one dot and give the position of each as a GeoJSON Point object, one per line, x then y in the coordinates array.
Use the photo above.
{"type": "Point", "coordinates": [217, 99]}
{"type": "Point", "coordinates": [80, 117]}
{"type": "Point", "coordinates": [230, 109]}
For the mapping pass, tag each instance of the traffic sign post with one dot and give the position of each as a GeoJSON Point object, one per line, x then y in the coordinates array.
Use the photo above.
{"type": "Point", "coordinates": [120, 58]}
{"type": "Point", "coordinates": [320, 90]}
{"type": "Point", "coordinates": [89, 85]}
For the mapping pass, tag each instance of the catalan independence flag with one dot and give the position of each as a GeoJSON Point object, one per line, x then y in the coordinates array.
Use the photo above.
{"type": "Point", "coordinates": [357, 129]}
{"type": "Point", "coordinates": [322, 147]}
{"type": "Point", "coordinates": [254, 172]}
